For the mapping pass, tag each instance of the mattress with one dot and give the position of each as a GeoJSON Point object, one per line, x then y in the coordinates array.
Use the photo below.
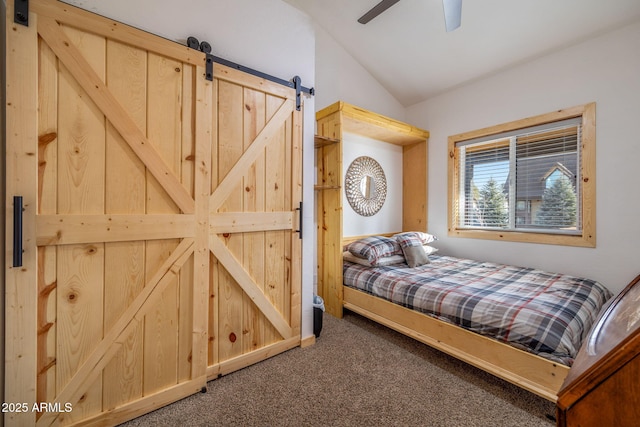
{"type": "Point", "coordinates": [548, 314]}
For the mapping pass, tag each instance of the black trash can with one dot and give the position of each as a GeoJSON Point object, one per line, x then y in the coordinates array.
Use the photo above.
{"type": "Point", "coordinates": [318, 310]}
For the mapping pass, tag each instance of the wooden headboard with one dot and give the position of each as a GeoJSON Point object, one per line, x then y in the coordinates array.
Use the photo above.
{"type": "Point", "coordinates": [348, 239]}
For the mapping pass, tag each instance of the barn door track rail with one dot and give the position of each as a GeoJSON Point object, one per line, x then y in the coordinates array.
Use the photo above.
{"type": "Point", "coordinates": [294, 83]}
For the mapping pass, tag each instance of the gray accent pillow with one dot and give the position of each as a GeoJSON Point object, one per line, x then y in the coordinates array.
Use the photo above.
{"type": "Point", "coordinates": [415, 256]}
{"type": "Point", "coordinates": [411, 245]}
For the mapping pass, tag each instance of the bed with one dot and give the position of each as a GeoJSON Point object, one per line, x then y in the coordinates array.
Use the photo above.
{"type": "Point", "coordinates": [521, 324]}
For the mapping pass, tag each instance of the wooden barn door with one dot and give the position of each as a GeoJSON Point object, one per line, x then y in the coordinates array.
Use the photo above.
{"type": "Point", "coordinates": [159, 242]}
{"type": "Point", "coordinates": [109, 145]}
{"type": "Point", "coordinates": [254, 310]}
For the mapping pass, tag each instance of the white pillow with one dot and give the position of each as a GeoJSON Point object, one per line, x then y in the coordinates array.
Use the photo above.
{"type": "Point", "coordinates": [429, 249]}
{"type": "Point", "coordinates": [388, 260]}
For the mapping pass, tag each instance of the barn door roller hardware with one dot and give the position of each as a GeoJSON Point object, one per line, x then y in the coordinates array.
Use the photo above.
{"type": "Point", "coordinates": [294, 83]}
{"type": "Point", "coordinates": [205, 47]}
{"type": "Point", "coordinates": [21, 12]}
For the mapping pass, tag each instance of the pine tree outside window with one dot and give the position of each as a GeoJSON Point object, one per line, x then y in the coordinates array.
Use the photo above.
{"type": "Point", "coordinates": [532, 180]}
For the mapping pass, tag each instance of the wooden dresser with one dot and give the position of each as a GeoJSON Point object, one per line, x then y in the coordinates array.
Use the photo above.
{"type": "Point", "coordinates": [603, 386]}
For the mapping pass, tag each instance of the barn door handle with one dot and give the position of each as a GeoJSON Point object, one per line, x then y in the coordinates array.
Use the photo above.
{"type": "Point", "coordinates": [299, 230]}
{"type": "Point", "coordinates": [17, 231]}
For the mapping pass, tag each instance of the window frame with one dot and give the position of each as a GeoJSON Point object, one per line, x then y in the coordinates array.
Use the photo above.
{"type": "Point", "coordinates": [587, 151]}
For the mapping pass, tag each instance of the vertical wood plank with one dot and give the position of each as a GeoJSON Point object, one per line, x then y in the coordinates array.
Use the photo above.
{"type": "Point", "coordinates": [589, 174]}
{"type": "Point", "coordinates": [81, 167]}
{"type": "Point", "coordinates": [295, 293]}
{"type": "Point", "coordinates": [414, 187]}
{"type": "Point", "coordinates": [213, 346]}
{"type": "Point", "coordinates": [164, 91]}
{"type": "Point", "coordinates": [80, 317]}
{"type": "Point", "coordinates": [21, 179]}
{"type": "Point", "coordinates": [47, 204]}
{"type": "Point", "coordinates": [291, 202]}
{"type": "Point", "coordinates": [275, 186]}
{"type": "Point", "coordinates": [47, 130]}
{"type": "Point", "coordinates": [187, 279]}
{"type": "Point", "coordinates": [230, 149]}
{"type": "Point", "coordinates": [81, 135]}
{"type": "Point", "coordinates": [125, 194]}
{"type": "Point", "coordinates": [287, 205]}
{"type": "Point", "coordinates": [164, 128]}
{"type": "Point", "coordinates": [329, 212]}
{"type": "Point", "coordinates": [254, 201]}
{"type": "Point", "coordinates": [202, 190]}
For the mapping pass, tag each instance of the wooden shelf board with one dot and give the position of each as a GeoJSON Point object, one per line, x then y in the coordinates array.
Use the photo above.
{"type": "Point", "coordinates": [323, 141]}
{"type": "Point", "coordinates": [326, 187]}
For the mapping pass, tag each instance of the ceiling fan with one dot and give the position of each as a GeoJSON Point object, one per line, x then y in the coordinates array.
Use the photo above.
{"type": "Point", "coordinates": [452, 12]}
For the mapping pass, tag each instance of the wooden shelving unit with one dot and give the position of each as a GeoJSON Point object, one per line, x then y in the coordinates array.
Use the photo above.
{"type": "Point", "coordinates": [333, 123]}
{"type": "Point", "coordinates": [320, 142]}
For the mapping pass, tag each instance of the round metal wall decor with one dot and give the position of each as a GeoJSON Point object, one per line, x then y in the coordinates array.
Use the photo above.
{"type": "Point", "coordinates": [365, 186]}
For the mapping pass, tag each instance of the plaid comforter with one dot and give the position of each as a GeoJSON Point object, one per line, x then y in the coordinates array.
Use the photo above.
{"type": "Point", "coordinates": [544, 313]}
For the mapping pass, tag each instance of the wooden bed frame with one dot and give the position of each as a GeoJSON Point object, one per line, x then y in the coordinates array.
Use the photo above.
{"type": "Point", "coordinates": [536, 374]}
{"type": "Point", "coordinates": [526, 370]}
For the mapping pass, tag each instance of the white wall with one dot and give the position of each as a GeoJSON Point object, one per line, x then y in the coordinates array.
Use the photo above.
{"type": "Point", "coordinates": [339, 77]}
{"type": "Point", "coordinates": [389, 218]}
{"type": "Point", "coordinates": [606, 70]}
{"type": "Point", "coordinates": [282, 46]}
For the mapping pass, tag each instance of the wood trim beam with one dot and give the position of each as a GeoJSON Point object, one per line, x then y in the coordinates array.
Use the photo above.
{"type": "Point", "coordinates": [242, 222]}
{"type": "Point", "coordinates": [244, 360]}
{"type": "Point", "coordinates": [74, 229]}
{"type": "Point", "coordinates": [141, 406]}
{"type": "Point", "coordinates": [364, 122]}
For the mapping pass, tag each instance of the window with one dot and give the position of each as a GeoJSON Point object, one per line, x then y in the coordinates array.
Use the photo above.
{"type": "Point", "coordinates": [531, 180]}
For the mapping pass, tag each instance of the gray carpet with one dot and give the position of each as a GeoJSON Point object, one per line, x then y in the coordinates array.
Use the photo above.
{"type": "Point", "coordinates": [357, 374]}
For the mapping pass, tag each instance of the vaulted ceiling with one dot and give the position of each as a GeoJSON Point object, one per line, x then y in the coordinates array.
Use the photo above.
{"type": "Point", "coordinates": [408, 51]}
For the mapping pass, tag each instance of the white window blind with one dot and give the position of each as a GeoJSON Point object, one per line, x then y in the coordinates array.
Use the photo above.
{"type": "Point", "coordinates": [524, 180]}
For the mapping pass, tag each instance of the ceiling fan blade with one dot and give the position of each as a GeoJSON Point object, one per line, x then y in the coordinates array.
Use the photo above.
{"type": "Point", "coordinates": [452, 13]}
{"type": "Point", "coordinates": [377, 10]}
